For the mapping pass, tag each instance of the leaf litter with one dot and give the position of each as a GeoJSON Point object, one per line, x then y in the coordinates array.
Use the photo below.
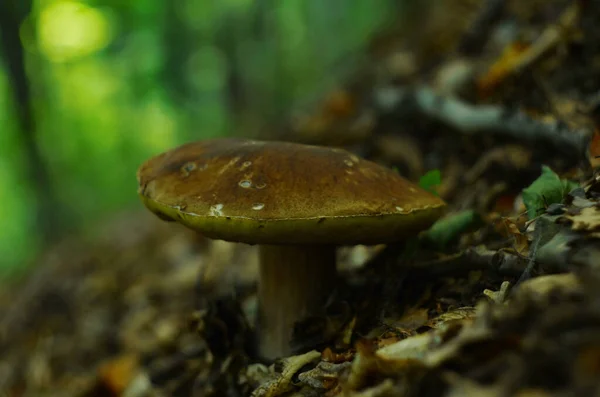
{"type": "Point", "coordinates": [501, 297]}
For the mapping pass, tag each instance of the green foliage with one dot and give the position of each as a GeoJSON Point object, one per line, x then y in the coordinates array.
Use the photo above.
{"type": "Point", "coordinates": [449, 228]}
{"type": "Point", "coordinates": [431, 180]}
{"type": "Point", "coordinates": [547, 189]}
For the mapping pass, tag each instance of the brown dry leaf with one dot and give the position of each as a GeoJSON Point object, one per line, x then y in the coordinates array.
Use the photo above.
{"type": "Point", "coordinates": [324, 376]}
{"type": "Point", "coordinates": [508, 228]}
{"type": "Point", "coordinates": [384, 389]}
{"type": "Point", "coordinates": [505, 203]}
{"type": "Point", "coordinates": [368, 366]}
{"type": "Point", "coordinates": [411, 320]}
{"type": "Point", "coordinates": [337, 357]}
{"type": "Point", "coordinates": [594, 149]}
{"type": "Point", "coordinates": [282, 382]}
{"type": "Point", "coordinates": [115, 375]}
{"type": "Point", "coordinates": [345, 337]}
{"type": "Point", "coordinates": [588, 362]}
{"type": "Point", "coordinates": [386, 340]}
{"type": "Point", "coordinates": [460, 386]}
{"type": "Point", "coordinates": [414, 347]}
{"type": "Point", "coordinates": [458, 314]}
{"type": "Point", "coordinates": [588, 219]}
{"type": "Point", "coordinates": [503, 67]}
{"type": "Point", "coordinates": [473, 333]}
{"type": "Point", "coordinates": [540, 288]}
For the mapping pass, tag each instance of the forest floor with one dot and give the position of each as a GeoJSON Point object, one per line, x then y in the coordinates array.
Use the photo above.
{"type": "Point", "coordinates": [494, 105]}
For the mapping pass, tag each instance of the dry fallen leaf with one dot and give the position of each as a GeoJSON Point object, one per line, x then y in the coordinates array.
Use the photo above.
{"type": "Point", "coordinates": [539, 288]}
{"type": "Point", "coordinates": [414, 347]}
{"type": "Point", "coordinates": [324, 376]}
{"type": "Point", "coordinates": [282, 382]}
{"type": "Point", "coordinates": [587, 219]}
{"type": "Point", "coordinates": [411, 320]}
{"type": "Point", "coordinates": [337, 357]}
{"type": "Point", "coordinates": [116, 374]}
{"type": "Point", "coordinates": [384, 389]}
{"type": "Point", "coordinates": [503, 67]}
{"type": "Point", "coordinates": [520, 241]}
{"type": "Point", "coordinates": [594, 149]}
{"type": "Point", "coordinates": [368, 366]}
{"type": "Point", "coordinates": [461, 313]}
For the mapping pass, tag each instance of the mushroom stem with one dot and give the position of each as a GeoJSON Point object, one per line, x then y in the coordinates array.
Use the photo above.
{"type": "Point", "coordinates": [294, 283]}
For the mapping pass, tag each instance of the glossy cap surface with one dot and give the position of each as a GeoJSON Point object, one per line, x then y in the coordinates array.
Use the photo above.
{"type": "Point", "coordinates": [283, 193]}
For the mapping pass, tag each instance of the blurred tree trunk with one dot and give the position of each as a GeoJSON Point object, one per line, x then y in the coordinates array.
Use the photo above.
{"type": "Point", "coordinates": [12, 15]}
{"type": "Point", "coordinates": [227, 39]}
{"type": "Point", "coordinates": [177, 50]}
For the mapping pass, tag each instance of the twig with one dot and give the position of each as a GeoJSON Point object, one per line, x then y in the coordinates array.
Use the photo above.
{"type": "Point", "coordinates": [477, 258]}
{"type": "Point", "coordinates": [538, 233]}
{"type": "Point", "coordinates": [493, 119]}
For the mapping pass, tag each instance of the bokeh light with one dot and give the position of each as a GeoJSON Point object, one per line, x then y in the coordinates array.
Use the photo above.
{"type": "Point", "coordinates": [68, 30]}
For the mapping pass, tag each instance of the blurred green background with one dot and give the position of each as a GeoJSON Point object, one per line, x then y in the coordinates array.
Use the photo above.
{"type": "Point", "coordinates": [89, 89]}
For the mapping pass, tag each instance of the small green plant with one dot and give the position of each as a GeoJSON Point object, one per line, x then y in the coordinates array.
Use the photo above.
{"type": "Point", "coordinates": [450, 227]}
{"type": "Point", "coordinates": [431, 180]}
{"type": "Point", "coordinates": [547, 189]}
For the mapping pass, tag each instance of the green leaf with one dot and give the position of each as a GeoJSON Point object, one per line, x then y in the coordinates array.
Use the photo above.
{"type": "Point", "coordinates": [447, 229]}
{"type": "Point", "coordinates": [431, 180]}
{"type": "Point", "coordinates": [547, 189]}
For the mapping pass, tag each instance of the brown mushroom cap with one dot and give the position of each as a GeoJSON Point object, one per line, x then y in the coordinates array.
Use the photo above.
{"type": "Point", "coordinates": [283, 193]}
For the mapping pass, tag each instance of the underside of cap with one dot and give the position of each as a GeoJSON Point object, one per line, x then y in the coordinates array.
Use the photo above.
{"type": "Point", "coordinates": [283, 193]}
{"type": "Point", "coordinates": [340, 230]}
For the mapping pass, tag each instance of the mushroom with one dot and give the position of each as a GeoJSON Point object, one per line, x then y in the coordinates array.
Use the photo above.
{"type": "Point", "coordinates": [298, 202]}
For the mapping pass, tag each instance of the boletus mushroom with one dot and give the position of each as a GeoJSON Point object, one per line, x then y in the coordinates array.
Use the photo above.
{"type": "Point", "coordinates": [297, 202]}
